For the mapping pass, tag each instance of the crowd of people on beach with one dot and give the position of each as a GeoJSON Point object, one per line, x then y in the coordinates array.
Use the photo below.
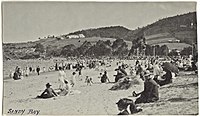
{"type": "Point", "coordinates": [153, 71]}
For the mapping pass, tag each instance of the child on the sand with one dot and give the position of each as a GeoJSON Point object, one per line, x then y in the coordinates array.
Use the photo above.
{"type": "Point", "coordinates": [48, 92]}
{"type": "Point", "coordinates": [88, 80]}
{"type": "Point", "coordinates": [105, 78]}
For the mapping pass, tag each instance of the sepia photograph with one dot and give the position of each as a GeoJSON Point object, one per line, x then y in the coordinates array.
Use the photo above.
{"type": "Point", "coordinates": [99, 58]}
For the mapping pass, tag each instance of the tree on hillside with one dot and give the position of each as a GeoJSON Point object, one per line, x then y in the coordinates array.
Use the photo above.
{"type": "Point", "coordinates": [69, 50]}
{"type": "Point", "coordinates": [117, 43]}
{"type": "Point", "coordinates": [149, 50]}
{"type": "Point", "coordinates": [157, 50]}
{"type": "Point", "coordinates": [186, 51]}
{"type": "Point", "coordinates": [84, 47]}
{"type": "Point", "coordinates": [101, 48]}
{"type": "Point", "coordinates": [39, 48]}
{"type": "Point", "coordinates": [108, 43]}
{"type": "Point", "coordinates": [164, 50]}
{"type": "Point", "coordinates": [53, 51]}
{"type": "Point", "coordinates": [120, 48]}
{"type": "Point", "coordinates": [138, 46]}
{"type": "Point", "coordinates": [32, 55]}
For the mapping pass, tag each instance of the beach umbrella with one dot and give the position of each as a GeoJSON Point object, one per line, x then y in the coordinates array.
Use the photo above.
{"type": "Point", "coordinates": [171, 67]}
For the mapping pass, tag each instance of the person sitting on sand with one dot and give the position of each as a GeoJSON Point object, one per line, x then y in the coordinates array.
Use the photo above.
{"type": "Point", "coordinates": [48, 92]}
{"type": "Point", "coordinates": [150, 93]}
{"type": "Point", "coordinates": [105, 78]}
{"type": "Point", "coordinates": [165, 78]}
{"type": "Point", "coordinates": [17, 74]}
{"type": "Point", "coordinates": [65, 90]}
{"type": "Point", "coordinates": [120, 73]}
{"type": "Point", "coordinates": [122, 105]}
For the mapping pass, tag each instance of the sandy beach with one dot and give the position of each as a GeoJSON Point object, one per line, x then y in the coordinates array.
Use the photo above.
{"type": "Point", "coordinates": [180, 97]}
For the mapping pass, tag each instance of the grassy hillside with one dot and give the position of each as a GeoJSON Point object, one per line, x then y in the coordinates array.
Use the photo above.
{"type": "Point", "coordinates": [178, 46]}
{"type": "Point", "coordinates": [117, 32]}
{"type": "Point", "coordinates": [182, 27]}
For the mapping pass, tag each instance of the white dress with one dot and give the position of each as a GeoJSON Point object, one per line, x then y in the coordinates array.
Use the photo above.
{"type": "Point", "coordinates": [61, 78]}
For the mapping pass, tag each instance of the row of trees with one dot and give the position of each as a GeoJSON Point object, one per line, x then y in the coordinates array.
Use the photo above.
{"type": "Point", "coordinates": [106, 48]}
{"type": "Point", "coordinates": [101, 48]}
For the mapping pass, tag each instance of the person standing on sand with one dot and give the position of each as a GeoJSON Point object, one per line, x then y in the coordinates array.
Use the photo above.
{"type": "Point", "coordinates": [88, 80]}
{"type": "Point", "coordinates": [73, 79]}
{"type": "Point", "coordinates": [61, 77]}
{"type": "Point", "coordinates": [56, 67]}
{"type": "Point", "coordinates": [30, 69]}
{"type": "Point", "coordinates": [26, 72]}
{"type": "Point", "coordinates": [38, 70]}
{"type": "Point", "coordinates": [44, 69]}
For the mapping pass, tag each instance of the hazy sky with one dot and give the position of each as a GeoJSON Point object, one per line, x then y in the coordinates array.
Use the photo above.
{"type": "Point", "coordinates": [26, 21]}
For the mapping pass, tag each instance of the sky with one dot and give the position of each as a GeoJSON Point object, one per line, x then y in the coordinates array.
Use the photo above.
{"type": "Point", "coordinates": [27, 21]}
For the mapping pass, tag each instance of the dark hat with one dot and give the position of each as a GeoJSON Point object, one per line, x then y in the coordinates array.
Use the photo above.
{"type": "Point", "coordinates": [122, 103]}
{"type": "Point", "coordinates": [73, 73]}
{"type": "Point", "coordinates": [48, 85]}
{"type": "Point", "coordinates": [66, 82]}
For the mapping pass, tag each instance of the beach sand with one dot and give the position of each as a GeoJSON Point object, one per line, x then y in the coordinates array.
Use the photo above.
{"type": "Point", "coordinates": [180, 97]}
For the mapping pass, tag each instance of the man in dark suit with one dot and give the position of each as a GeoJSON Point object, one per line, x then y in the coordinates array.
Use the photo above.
{"type": "Point", "coordinates": [150, 93]}
{"type": "Point", "coordinates": [38, 70]}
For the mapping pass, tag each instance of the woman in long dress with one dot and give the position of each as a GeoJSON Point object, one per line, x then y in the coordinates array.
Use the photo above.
{"type": "Point", "coordinates": [61, 77]}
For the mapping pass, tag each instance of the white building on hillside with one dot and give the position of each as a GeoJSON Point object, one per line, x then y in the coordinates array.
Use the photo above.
{"type": "Point", "coordinates": [81, 36]}
{"type": "Point", "coordinates": [75, 36]}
